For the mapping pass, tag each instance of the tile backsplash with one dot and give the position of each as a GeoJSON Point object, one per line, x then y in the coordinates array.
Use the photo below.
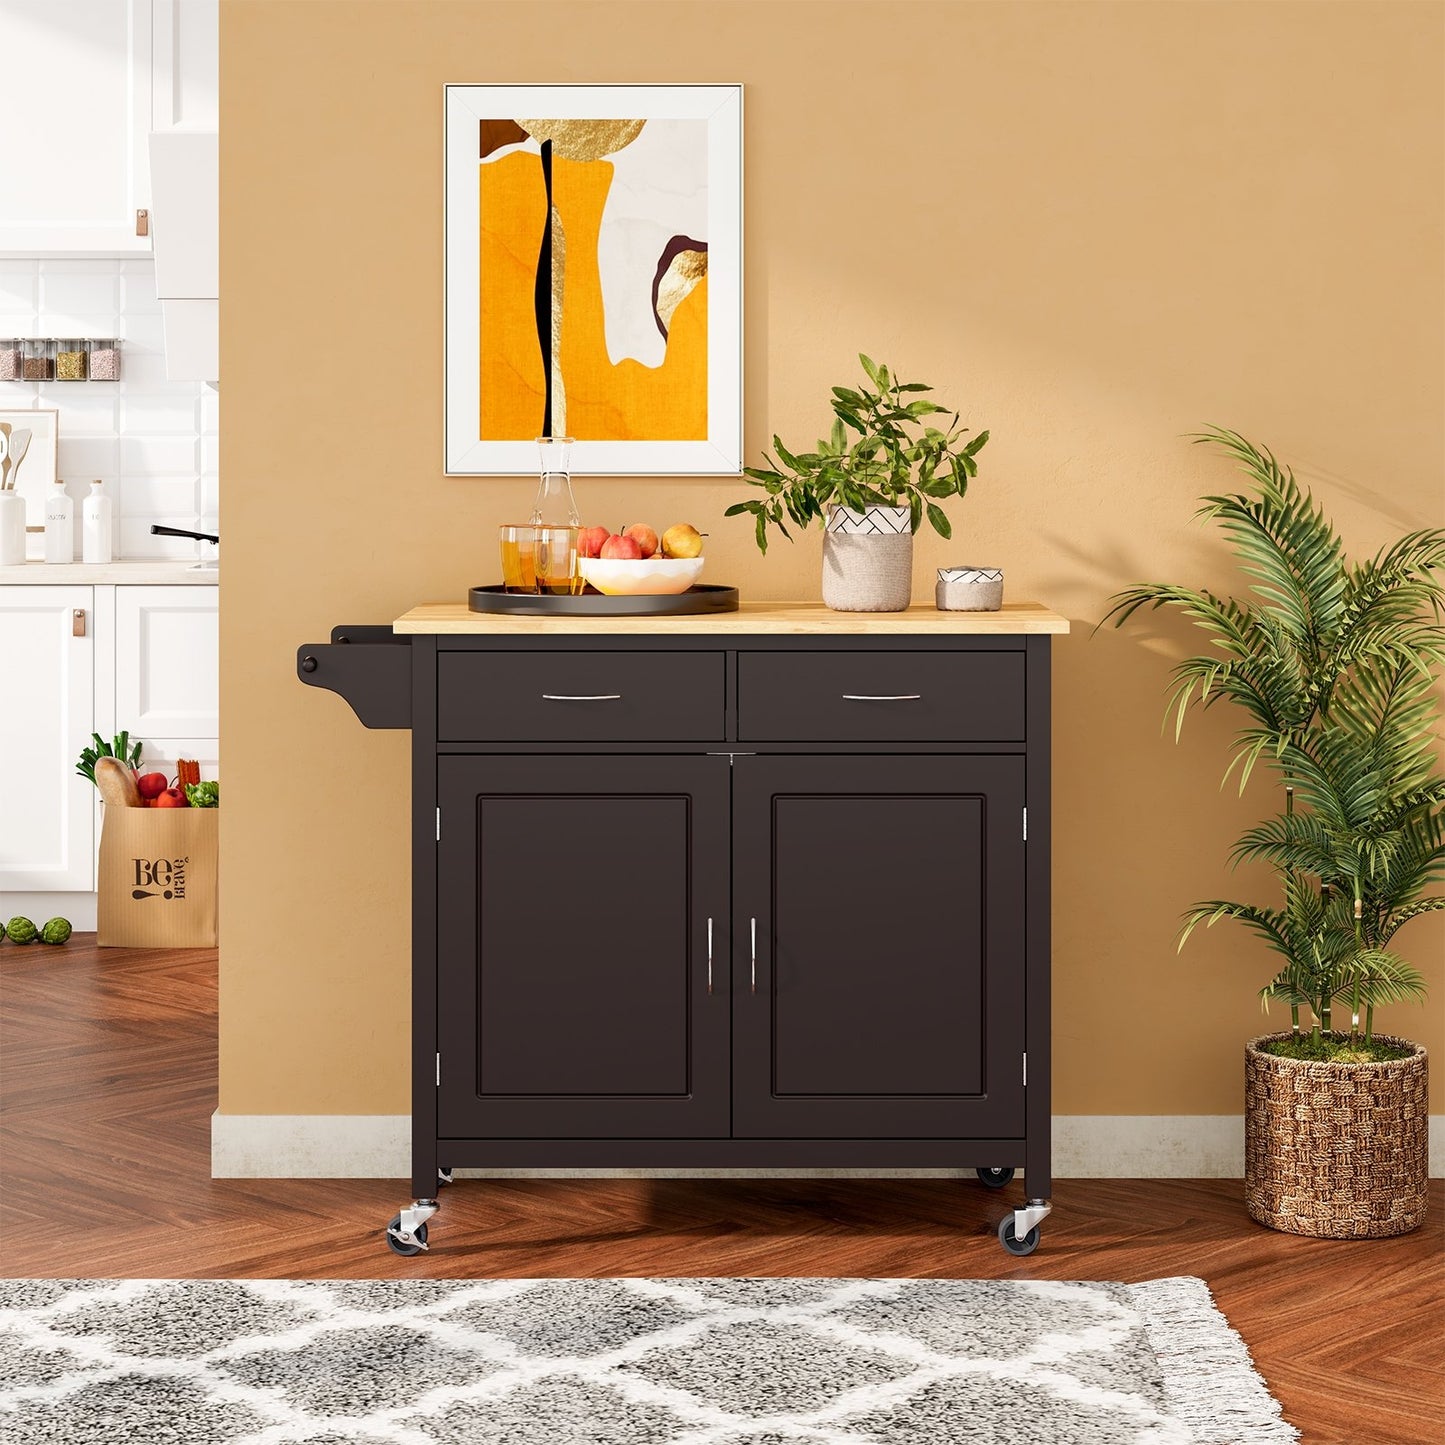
{"type": "Point", "coordinates": [153, 442]}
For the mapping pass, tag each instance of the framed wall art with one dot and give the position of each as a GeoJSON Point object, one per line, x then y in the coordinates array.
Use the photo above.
{"type": "Point", "coordinates": [594, 277]}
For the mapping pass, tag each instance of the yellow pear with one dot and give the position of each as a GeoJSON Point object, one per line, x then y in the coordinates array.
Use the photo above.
{"type": "Point", "coordinates": [681, 541]}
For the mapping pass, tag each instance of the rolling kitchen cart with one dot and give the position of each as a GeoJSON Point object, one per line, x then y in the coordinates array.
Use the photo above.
{"type": "Point", "coordinates": [752, 889]}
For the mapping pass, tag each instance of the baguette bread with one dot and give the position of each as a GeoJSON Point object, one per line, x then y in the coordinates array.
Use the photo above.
{"type": "Point", "coordinates": [116, 783]}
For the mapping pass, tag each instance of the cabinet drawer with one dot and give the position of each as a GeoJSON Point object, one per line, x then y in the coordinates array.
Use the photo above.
{"type": "Point", "coordinates": [580, 696]}
{"type": "Point", "coordinates": [881, 696]}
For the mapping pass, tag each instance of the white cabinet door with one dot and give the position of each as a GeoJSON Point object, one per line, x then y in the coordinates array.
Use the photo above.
{"type": "Point", "coordinates": [78, 97]}
{"type": "Point", "coordinates": [167, 662]}
{"type": "Point", "coordinates": [187, 51]}
{"type": "Point", "coordinates": [46, 672]}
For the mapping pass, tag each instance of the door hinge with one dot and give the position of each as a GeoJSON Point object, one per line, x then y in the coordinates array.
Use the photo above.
{"type": "Point", "coordinates": [439, 1071]}
{"type": "Point", "coordinates": [1026, 1069]}
{"type": "Point", "coordinates": [1026, 825]}
{"type": "Point", "coordinates": [439, 825]}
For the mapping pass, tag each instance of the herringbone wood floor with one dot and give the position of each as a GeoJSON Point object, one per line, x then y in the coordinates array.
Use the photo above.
{"type": "Point", "coordinates": [107, 1083]}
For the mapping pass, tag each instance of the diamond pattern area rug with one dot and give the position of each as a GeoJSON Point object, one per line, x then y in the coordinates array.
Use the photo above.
{"type": "Point", "coordinates": [625, 1362]}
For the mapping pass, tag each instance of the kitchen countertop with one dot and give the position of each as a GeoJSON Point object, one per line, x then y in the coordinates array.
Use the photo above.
{"type": "Point", "coordinates": [753, 617]}
{"type": "Point", "coordinates": [139, 573]}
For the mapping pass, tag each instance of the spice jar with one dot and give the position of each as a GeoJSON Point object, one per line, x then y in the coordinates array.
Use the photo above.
{"type": "Point", "coordinates": [105, 359]}
{"type": "Point", "coordinates": [37, 359]}
{"type": "Point", "coordinates": [71, 360]}
{"type": "Point", "coordinates": [9, 359]}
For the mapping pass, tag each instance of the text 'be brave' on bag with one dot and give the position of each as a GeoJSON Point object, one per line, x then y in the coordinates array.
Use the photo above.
{"type": "Point", "coordinates": [158, 877]}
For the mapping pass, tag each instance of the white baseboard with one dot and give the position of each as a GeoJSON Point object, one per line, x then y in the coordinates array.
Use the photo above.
{"type": "Point", "coordinates": [1086, 1146]}
{"type": "Point", "coordinates": [79, 908]}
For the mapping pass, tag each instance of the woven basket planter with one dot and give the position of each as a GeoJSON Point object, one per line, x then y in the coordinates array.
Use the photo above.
{"type": "Point", "coordinates": [1333, 1149]}
{"type": "Point", "coordinates": [868, 559]}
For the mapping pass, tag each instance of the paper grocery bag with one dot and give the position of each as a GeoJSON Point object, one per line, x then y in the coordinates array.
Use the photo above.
{"type": "Point", "coordinates": [158, 877]}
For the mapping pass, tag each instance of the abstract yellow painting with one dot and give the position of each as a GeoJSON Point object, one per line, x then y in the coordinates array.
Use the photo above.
{"type": "Point", "coordinates": [601, 252]}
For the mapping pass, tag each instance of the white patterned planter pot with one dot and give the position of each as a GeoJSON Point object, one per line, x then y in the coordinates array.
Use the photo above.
{"type": "Point", "coordinates": [868, 559]}
{"type": "Point", "coordinates": [969, 589]}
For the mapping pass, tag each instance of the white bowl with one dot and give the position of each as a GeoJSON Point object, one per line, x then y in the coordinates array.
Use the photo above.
{"type": "Point", "coordinates": [654, 577]}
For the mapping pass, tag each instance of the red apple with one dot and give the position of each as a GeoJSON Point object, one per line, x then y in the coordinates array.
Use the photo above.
{"type": "Point", "coordinates": [172, 798]}
{"type": "Point", "coordinates": [151, 785]}
{"type": "Point", "coordinates": [621, 549]}
{"type": "Point", "coordinates": [644, 536]}
{"type": "Point", "coordinates": [590, 540]}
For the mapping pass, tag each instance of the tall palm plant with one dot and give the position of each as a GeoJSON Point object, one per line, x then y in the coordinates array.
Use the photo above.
{"type": "Point", "coordinates": [1332, 663]}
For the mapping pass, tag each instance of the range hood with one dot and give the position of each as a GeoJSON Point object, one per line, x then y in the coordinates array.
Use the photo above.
{"type": "Point", "coordinates": [185, 224]}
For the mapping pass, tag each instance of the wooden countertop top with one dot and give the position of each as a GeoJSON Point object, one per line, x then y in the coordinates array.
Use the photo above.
{"type": "Point", "coordinates": [443, 618]}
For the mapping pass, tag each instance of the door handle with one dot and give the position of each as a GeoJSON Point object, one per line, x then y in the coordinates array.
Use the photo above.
{"type": "Point", "coordinates": [709, 955]}
{"type": "Point", "coordinates": [882, 697]}
{"type": "Point", "coordinates": [755, 955]}
{"type": "Point", "coordinates": [77, 622]}
{"type": "Point", "coordinates": [582, 697]}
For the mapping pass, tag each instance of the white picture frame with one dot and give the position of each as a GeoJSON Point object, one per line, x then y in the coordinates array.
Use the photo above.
{"type": "Point", "coordinates": [467, 453]}
{"type": "Point", "coordinates": [36, 474]}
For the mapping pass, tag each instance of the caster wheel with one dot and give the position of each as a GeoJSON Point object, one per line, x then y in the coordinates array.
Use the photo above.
{"type": "Point", "coordinates": [1012, 1242]}
{"type": "Point", "coordinates": [396, 1246]}
{"type": "Point", "coordinates": [995, 1178]}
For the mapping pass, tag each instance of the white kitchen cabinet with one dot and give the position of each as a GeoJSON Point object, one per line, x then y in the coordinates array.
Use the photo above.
{"type": "Point", "coordinates": [166, 678]}
{"type": "Point", "coordinates": [47, 672]}
{"type": "Point", "coordinates": [142, 658]}
{"type": "Point", "coordinates": [86, 81]}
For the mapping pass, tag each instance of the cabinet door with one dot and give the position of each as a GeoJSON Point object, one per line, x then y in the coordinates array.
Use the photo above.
{"type": "Point", "coordinates": [46, 817]}
{"type": "Point", "coordinates": [166, 662]}
{"type": "Point", "coordinates": [78, 86]}
{"type": "Point", "coordinates": [577, 901]}
{"type": "Point", "coordinates": [879, 919]}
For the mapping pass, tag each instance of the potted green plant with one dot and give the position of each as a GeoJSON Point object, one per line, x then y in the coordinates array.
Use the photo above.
{"type": "Point", "coordinates": [871, 482]}
{"type": "Point", "coordinates": [1333, 664]}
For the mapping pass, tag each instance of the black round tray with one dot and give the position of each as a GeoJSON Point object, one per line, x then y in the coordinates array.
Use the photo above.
{"type": "Point", "coordinates": [704, 597]}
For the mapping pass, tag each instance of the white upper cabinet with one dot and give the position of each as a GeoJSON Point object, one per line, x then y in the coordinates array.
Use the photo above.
{"type": "Point", "coordinates": [186, 64]}
{"type": "Point", "coordinates": [86, 81]}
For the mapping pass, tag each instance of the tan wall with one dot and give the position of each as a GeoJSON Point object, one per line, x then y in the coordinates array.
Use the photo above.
{"type": "Point", "coordinates": [1094, 227]}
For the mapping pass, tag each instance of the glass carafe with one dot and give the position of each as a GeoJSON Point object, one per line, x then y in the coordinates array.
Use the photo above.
{"type": "Point", "coordinates": [555, 505]}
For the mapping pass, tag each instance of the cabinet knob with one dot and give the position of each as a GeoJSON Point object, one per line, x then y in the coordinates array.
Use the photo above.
{"type": "Point", "coordinates": [142, 223]}
{"type": "Point", "coordinates": [308, 664]}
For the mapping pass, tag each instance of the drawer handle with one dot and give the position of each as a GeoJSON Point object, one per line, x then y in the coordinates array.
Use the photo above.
{"type": "Point", "coordinates": [755, 955]}
{"type": "Point", "coordinates": [709, 955]}
{"type": "Point", "coordinates": [883, 697]}
{"type": "Point", "coordinates": [582, 697]}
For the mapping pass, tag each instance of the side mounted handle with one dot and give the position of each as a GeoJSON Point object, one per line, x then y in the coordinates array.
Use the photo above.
{"type": "Point", "coordinates": [754, 931]}
{"type": "Point", "coordinates": [709, 955]}
{"type": "Point", "coordinates": [882, 697]}
{"type": "Point", "coordinates": [374, 679]}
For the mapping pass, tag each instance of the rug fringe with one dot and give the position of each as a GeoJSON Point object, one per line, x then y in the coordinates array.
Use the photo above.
{"type": "Point", "coordinates": [1209, 1377]}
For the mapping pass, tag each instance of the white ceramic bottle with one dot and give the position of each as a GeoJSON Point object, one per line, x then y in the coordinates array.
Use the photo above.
{"type": "Point", "coordinates": [95, 534]}
{"type": "Point", "coordinates": [59, 525]}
